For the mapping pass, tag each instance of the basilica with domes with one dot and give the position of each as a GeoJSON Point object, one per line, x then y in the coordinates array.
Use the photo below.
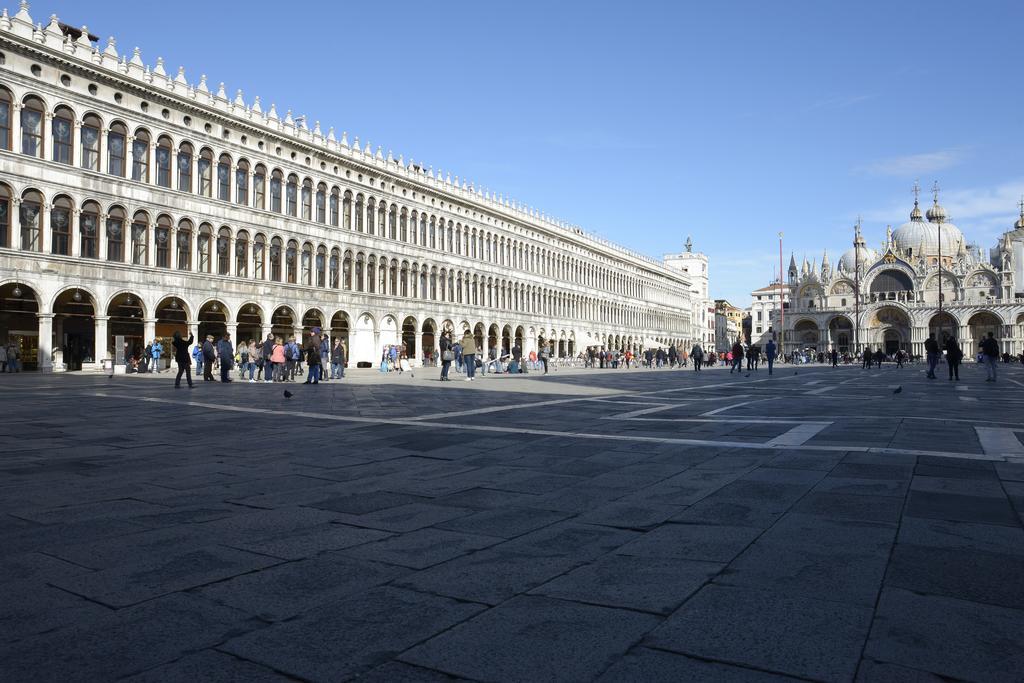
{"type": "Point", "coordinates": [924, 277]}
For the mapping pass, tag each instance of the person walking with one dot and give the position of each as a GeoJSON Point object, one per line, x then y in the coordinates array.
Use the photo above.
{"type": "Point", "coordinates": [769, 351]}
{"type": "Point", "coordinates": [517, 359]}
{"type": "Point", "coordinates": [209, 354]}
{"type": "Point", "coordinates": [990, 353]}
{"type": "Point", "coordinates": [157, 351]}
{"type": "Point", "coordinates": [226, 353]}
{"type": "Point", "coordinates": [835, 357]}
{"type": "Point", "coordinates": [543, 355]}
{"type": "Point", "coordinates": [313, 360]}
{"type": "Point", "coordinates": [447, 355]}
{"type": "Point", "coordinates": [954, 354]}
{"type": "Point", "coordinates": [737, 358]}
{"type": "Point", "coordinates": [469, 355]}
{"type": "Point", "coordinates": [182, 359]}
{"type": "Point", "coordinates": [866, 365]}
{"type": "Point", "coordinates": [337, 359]}
{"type": "Point", "coordinates": [931, 349]}
{"type": "Point", "coordinates": [697, 355]}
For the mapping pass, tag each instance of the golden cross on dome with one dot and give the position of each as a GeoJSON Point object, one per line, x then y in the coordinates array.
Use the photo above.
{"type": "Point", "coordinates": [935, 191]}
{"type": "Point", "coordinates": [916, 191]}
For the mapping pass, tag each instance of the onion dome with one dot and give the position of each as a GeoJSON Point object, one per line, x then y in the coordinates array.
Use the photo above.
{"type": "Point", "coordinates": [917, 236]}
{"type": "Point", "coordinates": [848, 261]}
{"type": "Point", "coordinates": [936, 213]}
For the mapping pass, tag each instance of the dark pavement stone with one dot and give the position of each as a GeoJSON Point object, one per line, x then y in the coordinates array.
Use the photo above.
{"type": "Point", "coordinates": [37, 566]}
{"type": "Point", "coordinates": [962, 536]}
{"type": "Point", "coordinates": [127, 549]}
{"type": "Point", "coordinates": [778, 632]}
{"type": "Point", "coordinates": [979, 576]}
{"type": "Point", "coordinates": [692, 542]}
{"type": "Point", "coordinates": [308, 542]}
{"type": "Point", "coordinates": [150, 577]}
{"type": "Point", "coordinates": [951, 472]}
{"type": "Point", "coordinates": [534, 639]}
{"type": "Point", "coordinates": [871, 671]}
{"type": "Point", "coordinates": [872, 470]}
{"type": "Point", "coordinates": [1010, 471]}
{"type": "Point", "coordinates": [645, 664]}
{"type": "Point", "coordinates": [422, 548]}
{"type": "Point", "coordinates": [507, 522]}
{"type": "Point", "coordinates": [629, 515]}
{"type": "Point", "coordinates": [957, 508]}
{"type": "Point", "coordinates": [31, 607]}
{"type": "Point", "coordinates": [371, 501]}
{"type": "Point", "coordinates": [400, 672]}
{"type": "Point", "coordinates": [124, 642]}
{"type": "Point", "coordinates": [851, 506]}
{"type": "Point", "coordinates": [209, 666]}
{"type": "Point", "coordinates": [832, 535]}
{"type": "Point", "coordinates": [645, 584]}
{"type": "Point", "coordinates": [992, 488]}
{"type": "Point", "coordinates": [340, 639]}
{"type": "Point", "coordinates": [949, 637]}
{"type": "Point", "coordinates": [864, 487]}
{"type": "Point", "coordinates": [406, 517]}
{"type": "Point", "coordinates": [286, 590]}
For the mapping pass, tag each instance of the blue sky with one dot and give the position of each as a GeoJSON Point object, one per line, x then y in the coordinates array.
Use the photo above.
{"type": "Point", "coordinates": [644, 121]}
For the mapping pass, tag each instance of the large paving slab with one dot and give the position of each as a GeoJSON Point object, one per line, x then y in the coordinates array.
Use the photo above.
{"type": "Point", "coordinates": [590, 525]}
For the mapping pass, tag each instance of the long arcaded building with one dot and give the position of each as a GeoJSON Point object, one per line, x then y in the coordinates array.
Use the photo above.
{"type": "Point", "coordinates": [134, 203]}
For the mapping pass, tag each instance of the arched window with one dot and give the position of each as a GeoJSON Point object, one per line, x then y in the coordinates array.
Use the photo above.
{"type": "Point", "coordinates": [393, 284]}
{"type": "Point", "coordinates": [276, 179]}
{"type": "Point", "coordinates": [224, 178]}
{"type": "Point", "coordinates": [205, 172]}
{"type": "Point", "coordinates": [359, 272]}
{"type": "Point", "coordinates": [404, 226]}
{"type": "Point", "coordinates": [164, 152]}
{"type": "Point", "coordinates": [371, 215]}
{"type": "Point", "coordinates": [32, 127]}
{"type": "Point", "coordinates": [333, 207]}
{"type": "Point", "coordinates": [346, 270]}
{"type": "Point", "coordinates": [116, 137]}
{"type": "Point", "coordinates": [307, 264]}
{"type": "Point", "coordinates": [333, 276]}
{"type": "Point", "coordinates": [242, 183]}
{"type": "Point", "coordinates": [275, 259]}
{"type": "Point", "coordinates": [291, 262]}
{"type": "Point", "coordinates": [321, 203]}
{"type": "Point", "coordinates": [259, 186]}
{"type": "Point", "coordinates": [162, 235]}
{"type": "Point", "coordinates": [88, 229]}
{"type": "Point", "coordinates": [346, 210]}
{"type": "Point", "coordinates": [184, 245]}
{"type": "Point", "coordinates": [204, 245]}
{"type": "Point", "coordinates": [91, 125]}
{"type": "Point", "coordinates": [393, 223]}
{"type": "Point", "coordinates": [358, 212]}
{"type": "Point", "coordinates": [185, 167]}
{"type": "Point", "coordinates": [140, 156]}
{"type": "Point", "coordinates": [433, 242]}
{"type": "Point", "coordinates": [224, 251]}
{"type": "Point", "coordinates": [404, 279]}
{"type": "Point", "coordinates": [307, 200]}
{"type": "Point", "coordinates": [60, 226]}
{"type": "Point", "coordinates": [423, 229]}
{"type": "Point", "coordinates": [371, 279]}
{"type": "Point", "coordinates": [382, 218]}
{"type": "Point", "coordinates": [140, 238]}
{"type": "Point", "coordinates": [321, 266]}
{"type": "Point", "coordinates": [242, 254]}
{"type": "Point", "coordinates": [30, 218]}
{"type": "Point", "coordinates": [5, 119]}
{"type": "Point", "coordinates": [63, 124]}
{"type": "Point", "coordinates": [291, 196]}
{"type": "Point", "coordinates": [115, 234]}
{"type": "Point", "coordinates": [259, 254]}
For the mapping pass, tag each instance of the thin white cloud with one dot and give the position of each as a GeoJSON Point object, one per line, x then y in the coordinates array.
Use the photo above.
{"type": "Point", "coordinates": [914, 164]}
{"type": "Point", "coordinates": [841, 101]}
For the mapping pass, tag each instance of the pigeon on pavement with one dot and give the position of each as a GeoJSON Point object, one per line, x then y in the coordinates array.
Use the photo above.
{"type": "Point", "coordinates": [897, 390]}
{"type": "Point", "coordinates": [287, 394]}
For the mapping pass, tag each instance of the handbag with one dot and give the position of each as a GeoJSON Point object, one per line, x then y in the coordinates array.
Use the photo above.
{"type": "Point", "coordinates": [448, 356]}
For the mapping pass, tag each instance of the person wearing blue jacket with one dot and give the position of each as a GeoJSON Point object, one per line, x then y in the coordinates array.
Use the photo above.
{"type": "Point", "coordinates": [157, 350]}
{"type": "Point", "coordinates": [226, 353]}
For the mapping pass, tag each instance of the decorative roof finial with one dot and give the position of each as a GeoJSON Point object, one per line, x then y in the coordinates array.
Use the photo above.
{"type": "Point", "coordinates": [935, 191]}
{"type": "Point", "coordinates": [689, 244]}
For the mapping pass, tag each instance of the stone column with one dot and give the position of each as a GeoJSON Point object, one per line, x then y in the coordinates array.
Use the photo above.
{"type": "Point", "coordinates": [232, 189]}
{"type": "Point", "coordinates": [47, 142]}
{"type": "Point", "coordinates": [100, 350]}
{"type": "Point", "coordinates": [45, 342]}
{"type": "Point", "coordinates": [44, 228]}
{"type": "Point", "coordinates": [101, 237]}
{"type": "Point", "coordinates": [75, 233]}
{"type": "Point", "coordinates": [232, 328]}
{"type": "Point", "coordinates": [102, 152]}
{"type": "Point", "coordinates": [417, 361]}
{"type": "Point", "coordinates": [148, 330]}
{"type": "Point", "coordinates": [16, 127]}
{"type": "Point", "coordinates": [76, 144]}
{"type": "Point", "coordinates": [265, 327]}
{"type": "Point", "coordinates": [151, 244]}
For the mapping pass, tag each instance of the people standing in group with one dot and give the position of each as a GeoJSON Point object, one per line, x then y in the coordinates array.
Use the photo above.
{"type": "Point", "coordinates": [226, 354]}
{"type": "Point", "coordinates": [197, 356]}
{"type": "Point", "coordinates": [292, 353]}
{"type": "Point", "coordinates": [181, 357]}
{"type": "Point", "coordinates": [325, 357]}
{"type": "Point", "coordinates": [267, 353]}
{"type": "Point", "coordinates": [337, 360]}
{"type": "Point", "coordinates": [737, 358]}
{"type": "Point", "coordinates": [244, 359]}
{"type": "Point", "coordinates": [469, 355]}
{"type": "Point", "coordinates": [209, 355]}
{"type": "Point", "coordinates": [447, 354]}
{"type": "Point", "coordinates": [931, 349]}
{"type": "Point", "coordinates": [990, 356]}
{"type": "Point", "coordinates": [277, 358]}
{"type": "Point", "coordinates": [954, 354]}
{"type": "Point", "coordinates": [769, 351]}
{"type": "Point", "coordinates": [313, 360]}
{"type": "Point", "coordinates": [517, 359]}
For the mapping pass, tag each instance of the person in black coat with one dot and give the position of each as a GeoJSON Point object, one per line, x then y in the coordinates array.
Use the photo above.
{"type": "Point", "coordinates": [445, 344]}
{"type": "Point", "coordinates": [182, 358]}
{"type": "Point", "coordinates": [954, 354]}
{"type": "Point", "coordinates": [209, 356]}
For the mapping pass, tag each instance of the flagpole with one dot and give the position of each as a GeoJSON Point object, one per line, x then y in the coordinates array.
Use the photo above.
{"type": "Point", "coordinates": [782, 308]}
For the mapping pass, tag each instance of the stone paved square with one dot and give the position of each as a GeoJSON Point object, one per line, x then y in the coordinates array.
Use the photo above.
{"type": "Point", "coordinates": [566, 533]}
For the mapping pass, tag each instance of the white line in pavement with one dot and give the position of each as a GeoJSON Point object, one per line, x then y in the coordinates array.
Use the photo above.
{"type": "Point", "coordinates": [716, 411]}
{"type": "Point", "coordinates": [642, 411]}
{"type": "Point", "coordinates": [967, 398]}
{"type": "Point", "coordinates": [714, 443]}
{"type": "Point", "coordinates": [962, 387]}
{"type": "Point", "coordinates": [822, 390]}
{"type": "Point", "coordinates": [727, 420]}
{"type": "Point", "coordinates": [799, 435]}
{"type": "Point", "coordinates": [1000, 441]}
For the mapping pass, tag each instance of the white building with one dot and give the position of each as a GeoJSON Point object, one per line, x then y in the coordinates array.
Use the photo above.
{"type": "Point", "coordinates": [702, 312]}
{"type": "Point", "coordinates": [889, 297]}
{"type": "Point", "coordinates": [764, 311]}
{"type": "Point", "coordinates": [134, 202]}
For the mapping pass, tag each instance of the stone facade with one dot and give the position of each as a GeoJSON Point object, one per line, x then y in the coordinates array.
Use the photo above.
{"type": "Point", "coordinates": [135, 203]}
{"type": "Point", "coordinates": [898, 291]}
